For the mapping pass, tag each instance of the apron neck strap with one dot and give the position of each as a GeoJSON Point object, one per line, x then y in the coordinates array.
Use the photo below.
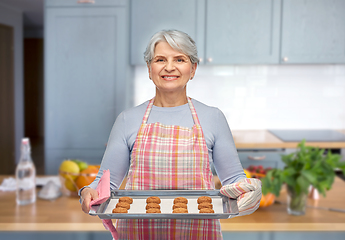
{"type": "Point", "coordinates": [192, 109]}
{"type": "Point", "coordinates": [191, 106]}
{"type": "Point", "coordinates": [148, 110]}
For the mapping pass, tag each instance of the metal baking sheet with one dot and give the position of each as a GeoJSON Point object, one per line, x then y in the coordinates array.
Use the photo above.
{"type": "Point", "coordinates": [224, 207]}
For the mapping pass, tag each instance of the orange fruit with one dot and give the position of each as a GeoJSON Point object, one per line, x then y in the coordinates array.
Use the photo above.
{"type": "Point", "coordinates": [86, 176]}
{"type": "Point", "coordinates": [267, 200]}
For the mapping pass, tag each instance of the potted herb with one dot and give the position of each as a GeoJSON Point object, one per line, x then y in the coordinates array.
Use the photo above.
{"type": "Point", "coordinates": [308, 166]}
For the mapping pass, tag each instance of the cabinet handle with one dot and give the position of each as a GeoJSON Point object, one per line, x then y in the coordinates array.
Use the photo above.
{"type": "Point", "coordinates": [86, 1]}
{"type": "Point", "coordinates": [285, 59]}
{"type": "Point", "coordinates": [209, 59]}
{"type": "Point", "coordinates": [257, 157]}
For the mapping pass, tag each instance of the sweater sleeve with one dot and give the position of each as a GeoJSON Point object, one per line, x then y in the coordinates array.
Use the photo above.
{"type": "Point", "coordinates": [225, 157]}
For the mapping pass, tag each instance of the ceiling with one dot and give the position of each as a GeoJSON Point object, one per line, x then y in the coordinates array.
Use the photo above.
{"type": "Point", "coordinates": [33, 14]}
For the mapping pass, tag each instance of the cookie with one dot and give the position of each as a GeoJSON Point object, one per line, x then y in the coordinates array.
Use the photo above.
{"type": "Point", "coordinates": [179, 205]}
{"type": "Point", "coordinates": [206, 210]}
{"type": "Point", "coordinates": [205, 205]}
{"type": "Point", "coordinates": [123, 205]}
{"type": "Point", "coordinates": [120, 210]}
{"type": "Point", "coordinates": [153, 205]}
{"type": "Point", "coordinates": [204, 199]}
{"type": "Point", "coordinates": [180, 200]}
{"type": "Point", "coordinates": [126, 199]}
{"type": "Point", "coordinates": [180, 210]}
{"type": "Point", "coordinates": [153, 200]}
{"type": "Point", "coordinates": [153, 210]}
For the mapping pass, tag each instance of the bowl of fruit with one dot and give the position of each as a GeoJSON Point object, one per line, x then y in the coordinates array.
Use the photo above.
{"type": "Point", "coordinates": [74, 174]}
{"type": "Point", "coordinates": [258, 171]}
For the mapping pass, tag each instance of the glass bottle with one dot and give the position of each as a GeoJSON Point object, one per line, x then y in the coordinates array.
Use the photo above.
{"type": "Point", "coordinates": [25, 176]}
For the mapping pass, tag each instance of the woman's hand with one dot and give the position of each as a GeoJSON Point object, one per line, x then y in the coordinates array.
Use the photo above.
{"type": "Point", "coordinates": [86, 196]}
{"type": "Point", "coordinates": [247, 192]}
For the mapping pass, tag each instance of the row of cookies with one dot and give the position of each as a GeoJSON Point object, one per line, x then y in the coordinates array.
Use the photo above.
{"type": "Point", "coordinates": [123, 205]}
{"type": "Point", "coordinates": [205, 204]}
{"type": "Point", "coordinates": [153, 205]}
{"type": "Point", "coordinates": [180, 205]}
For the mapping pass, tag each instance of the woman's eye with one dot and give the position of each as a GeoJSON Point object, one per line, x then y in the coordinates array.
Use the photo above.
{"type": "Point", "coordinates": [180, 60]}
{"type": "Point", "coordinates": [159, 60]}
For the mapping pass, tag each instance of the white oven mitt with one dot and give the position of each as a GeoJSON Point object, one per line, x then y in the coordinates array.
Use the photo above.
{"type": "Point", "coordinates": [248, 193]}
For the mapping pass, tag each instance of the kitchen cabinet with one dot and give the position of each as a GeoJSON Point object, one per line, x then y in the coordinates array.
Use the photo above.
{"type": "Point", "coordinates": [313, 31]}
{"type": "Point", "coordinates": [86, 86]}
{"type": "Point", "coordinates": [242, 32]}
{"type": "Point", "coordinates": [246, 31]}
{"type": "Point", "coordinates": [226, 32]}
{"type": "Point", "coordinates": [264, 157]}
{"type": "Point", "coordinates": [151, 16]}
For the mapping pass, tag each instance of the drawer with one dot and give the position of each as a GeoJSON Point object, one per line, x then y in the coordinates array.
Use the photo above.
{"type": "Point", "coordinates": [265, 164]}
{"type": "Point", "coordinates": [265, 158]}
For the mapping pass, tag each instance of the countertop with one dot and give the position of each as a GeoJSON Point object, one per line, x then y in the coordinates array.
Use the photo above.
{"type": "Point", "coordinates": [64, 214]}
{"type": "Point", "coordinates": [249, 139]}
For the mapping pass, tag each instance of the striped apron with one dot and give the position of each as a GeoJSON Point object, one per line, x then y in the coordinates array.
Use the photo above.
{"type": "Point", "coordinates": [169, 157]}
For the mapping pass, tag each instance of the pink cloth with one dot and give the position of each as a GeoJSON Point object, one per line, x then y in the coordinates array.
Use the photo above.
{"type": "Point", "coordinates": [103, 189]}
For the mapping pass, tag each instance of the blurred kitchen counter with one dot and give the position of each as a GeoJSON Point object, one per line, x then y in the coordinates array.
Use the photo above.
{"type": "Point", "coordinates": [64, 214]}
{"type": "Point", "coordinates": [253, 139]}
{"type": "Point", "coordinates": [275, 217]}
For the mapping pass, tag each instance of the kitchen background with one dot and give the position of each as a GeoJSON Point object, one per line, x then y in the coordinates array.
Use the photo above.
{"type": "Point", "coordinates": [69, 77]}
{"type": "Point", "coordinates": [65, 68]}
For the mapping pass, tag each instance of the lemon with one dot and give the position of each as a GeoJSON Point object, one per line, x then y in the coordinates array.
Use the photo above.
{"type": "Point", "coordinates": [69, 166]}
{"type": "Point", "coordinates": [69, 184]}
{"type": "Point", "coordinates": [247, 173]}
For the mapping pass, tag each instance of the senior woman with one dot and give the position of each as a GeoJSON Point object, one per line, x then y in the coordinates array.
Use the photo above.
{"type": "Point", "coordinates": [169, 141]}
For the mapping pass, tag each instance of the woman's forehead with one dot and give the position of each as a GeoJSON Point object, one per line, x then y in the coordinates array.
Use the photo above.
{"type": "Point", "coordinates": [164, 49]}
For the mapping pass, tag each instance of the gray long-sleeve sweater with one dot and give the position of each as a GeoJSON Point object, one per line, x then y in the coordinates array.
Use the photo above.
{"type": "Point", "coordinates": [221, 147]}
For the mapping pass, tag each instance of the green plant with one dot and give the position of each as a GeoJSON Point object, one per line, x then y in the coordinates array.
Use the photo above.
{"type": "Point", "coordinates": [307, 166]}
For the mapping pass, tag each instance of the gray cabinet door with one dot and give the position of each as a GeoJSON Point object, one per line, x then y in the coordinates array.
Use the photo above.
{"type": "Point", "coordinates": [313, 31]}
{"type": "Point", "coordinates": [151, 16]}
{"type": "Point", "coordinates": [242, 31]}
{"type": "Point", "coordinates": [264, 157]}
{"type": "Point", "coordinates": [86, 59]}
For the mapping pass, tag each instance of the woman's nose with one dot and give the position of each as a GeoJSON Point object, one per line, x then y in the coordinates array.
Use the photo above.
{"type": "Point", "coordinates": [169, 66]}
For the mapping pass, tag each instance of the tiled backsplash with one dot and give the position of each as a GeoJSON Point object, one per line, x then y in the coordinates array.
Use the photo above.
{"type": "Point", "coordinates": [266, 96]}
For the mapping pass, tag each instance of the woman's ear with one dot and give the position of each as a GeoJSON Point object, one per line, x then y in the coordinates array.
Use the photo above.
{"type": "Point", "coordinates": [194, 66]}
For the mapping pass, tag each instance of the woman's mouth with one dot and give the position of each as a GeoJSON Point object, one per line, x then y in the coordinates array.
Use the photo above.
{"type": "Point", "coordinates": [173, 77]}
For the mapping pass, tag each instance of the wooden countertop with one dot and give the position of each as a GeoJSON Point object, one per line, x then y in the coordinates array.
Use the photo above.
{"type": "Point", "coordinates": [264, 139]}
{"type": "Point", "coordinates": [64, 214]}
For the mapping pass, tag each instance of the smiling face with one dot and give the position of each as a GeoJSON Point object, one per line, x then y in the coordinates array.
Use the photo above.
{"type": "Point", "coordinates": [170, 70]}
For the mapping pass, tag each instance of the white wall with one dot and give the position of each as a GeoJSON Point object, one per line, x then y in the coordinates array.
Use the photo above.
{"type": "Point", "coordinates": [14, 18]}
{"type": "Point", "coordinates": [266, 96]}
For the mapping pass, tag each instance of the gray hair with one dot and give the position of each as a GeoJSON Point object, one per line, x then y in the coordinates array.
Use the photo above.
{"type": "Point", "coordinates": [178, 40]}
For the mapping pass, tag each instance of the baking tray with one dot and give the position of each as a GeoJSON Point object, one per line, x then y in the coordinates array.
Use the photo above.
{"type": "Point", "coordinates": [223, 206]}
